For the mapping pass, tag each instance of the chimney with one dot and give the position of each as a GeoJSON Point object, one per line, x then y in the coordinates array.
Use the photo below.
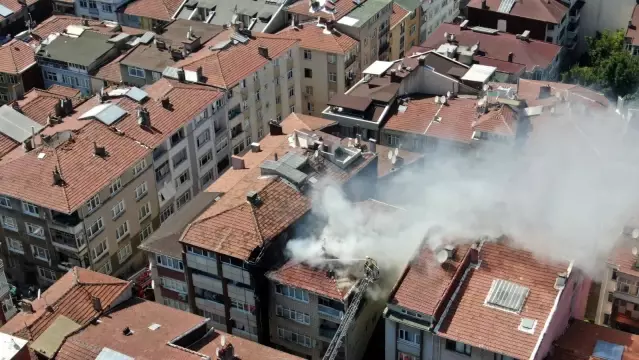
{"type": "Point", "coordinates": [510, 57]}
{"type": "Point", "coordinates": [58, 108]}
{"type": "Point", "coordinates": [630, 26]}
{"type": "Point", "coordinates": [394, 77]}
{"type": "Point", "coordinates": [484, 6]}
{"type": "Point", "coordinates": [57, 177]}
{"type": "Point", "coordinates": [263, 50]}
{"type": "Point", "coordinates": [99, 150]}
{"type": "Point", "coordinates": [26, 307]}
{"type": "Point", "coordinates": [166, 102]}
{"type": "Point", "coordinates": [544, 92]}
{"type": "Point", "coordinates": [237, 162]}
{"type": "Point", "coordinates": [255, 147]}
{"type": "Point", "coordinates": [180, 75]}
{"type": "Point", "coordinates": [85, 22]}
{"type": "Point", "coordinates": [27, 145]}
{"type": "Point", "coordinates": [329, 25]}
{"type": "Point", "coordinates": [275, 128]}
{"type": "Point", "coordinates": [198, 72]}
{"type": "Point", "coordinates": [253, 198]}
{"type": "Point", "coordinates": [421, 60]}
{"type": "Point", "coordinates": [144, 118]}
{"type": "Point", "coordinates": [372, 145]}
{"type": "Point", "coordinates": [127, 331]}
{"type": "Point", "coordinates": [474, 253]}
{"type": "Point", "coordinates": [225, 351]}
{"type": "Point", "coordinates": [67, 106]}
{"type": "Point", "coordinates": [97, 304]}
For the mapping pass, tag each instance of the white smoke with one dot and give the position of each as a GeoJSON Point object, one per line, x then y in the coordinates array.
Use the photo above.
{"type": "Point", "coordinates": [565, 193]}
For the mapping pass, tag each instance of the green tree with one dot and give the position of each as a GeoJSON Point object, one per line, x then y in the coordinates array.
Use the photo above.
{"type": "Point", "coordinates": [608, 66]}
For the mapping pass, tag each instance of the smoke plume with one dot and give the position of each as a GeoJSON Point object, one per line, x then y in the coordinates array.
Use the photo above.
{"type": "Point", "coordinates": [564, 190]}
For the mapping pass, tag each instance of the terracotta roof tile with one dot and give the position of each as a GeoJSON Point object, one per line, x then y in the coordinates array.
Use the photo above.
{"type": "Point", "coordinates": [313, 37]}
{"type": "Point", "coordinates": [58, 24]}
{"type": "Point", "coordinates": [6, 145]}
{"type": "Point", "coordinates": [529, 53]}
{"type": "Point", "coordinates": [244, 349]}
{"type": "Point", "coordinates": [471, 322]}
{"type": "Point", "coordinates": [456, 118]}
{"type": "Point", "coordinates": [111, 71]}
{"type": "Point", "coordinates": [305, 277]}
{"type": "Point", "coordinates": [69, 296]}
{"type": "Point", "coordinates": [579, 340]}
{"type": "Point", "coordinates": [529, 90]}
{"type": "Point", "coordinates": [15, 5]}
{"type": "Point", "coordinates": [386, 167]}
{"type": "Point", "coordinates": [225, 68]}
{"type": "Point", "coordinates": [153, 9]}
{"type": "Point", "coordinates": [502, 121]}
{"type": "Point", "coordinates": [37, 104]}
{"type": "Point", "coordinates": [342, 8]}
{"type": "Point", "coordinates": [63, 91]}
{"type": "Point", "coordinates": [550, 11]}
{"type": "Point", "coordinates": [425, 273]}
{"type": "Point", "coordinates": [29, 177]}
{"type": "Point", "coordinates": [398, 14]}
{"type": "Point", "coordinates": [16, 56]}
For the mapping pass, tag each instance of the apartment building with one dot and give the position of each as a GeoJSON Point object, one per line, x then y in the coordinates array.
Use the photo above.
{"type": "Point", "coordinates": [325, 54]}
{"type": "Point", "coordinates": [19, 71]}
{"type": "Point", "coordinates": [259, 73]}
{"type": "Point", "coordinates": [8, 307]}
{"type": "Point", "coordinates": [18, 15]}
{"type": "Point", "coordinates": [69, 60]}
{"type": "Point", "coordinates": [556, 21]}
{"type": "Point", "coordinates": [435, 13]}
{"type": "Point", "coordinates": [632, 36]}
{"type": "Point", "coordinates": [401, 20]}
{"type": "Point", "coordinates": [597, 16]}
{"type": "Point", "coordinates": [98, 10]}
{"type": "Point", "coordinates": [529, 304]}
{"type": "Point", "coordinates": [583, 340]}
{"type": "Point", "coordinates": [148, 14]}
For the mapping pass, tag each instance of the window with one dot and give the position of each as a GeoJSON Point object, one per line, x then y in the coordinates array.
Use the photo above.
{"type": "Point", "coordinates": [203, 138]}
{"type": "Point", "coordinates": [257, 95]}
{"type": "Point", "coordinates": [307, 55]}
{"type": "Point", "coordinates": [162, 171]}
{"type": "Point", "coordinates": [291, 91]}
{"type": "Point", "coordinates": [106, 268]}
{"type": "Point", "coordinates": [83, 3]}
{"type": "Point", "coordinates": [184, 177]}
{"type": "Point", "coordinates": [309, 90]}
{"type": "Point", "coordinates": [392, 140]}
{"type": "Point", "coordinates": [93, 203]}
{"type": "Point", "coordinates": [309, 106]}
{"type": "Point", "coordinates": [30, 209]}
{"type": "Point", "coordinates": [175, 285]}
{"type": "Point", "coordinates": [213, 317]}
{"type": "Point", "coordinates": [179, 158]}
{"type": "Point", "coordinates": [107, 8]}
{"type": "Point", "coordinates": [9, 223]}
{"type": "Point", "coordinates": [136, 72]}
{"type": "Point", "coordinates": [124, 253]}
{"type": "Point", "coordinates": [289, 74]}
{"type": "Point", "coordinates": [332, 58]}
{"type": "Point", "coordinates": [405, 356]}
{"type": "Point", "coordinates": [332, 77]}
{"type": "Point", "coordinates": [243, 83]}
{"type": "Point", "coordinates": [166, 213]}
{"type": "Point", "coordinates": [260, 133]}
{"type": "Point", "coordinates": [201, 252]}
{"type": "Point", "coordinates": [606, 320]}
{"type": "Point", "coordinates": [156, 76]}
{"type": "Point", "coordinates": [207, 177]}
{"type": "Point", "coordinates": [51, 76]}
{"type": "Point", "coordinates": [146, 232]}
{"type": "Point", "coordinates": [35, 230]}
{"type": "Point", "coordinates": [206, 158]}
{"type": "Point", "coordinates": [95, 228]}
{"type": "Point", "coordinates": [140, 191]}
{"type": "Point", "coordinates": [144, 212]}
{"type": "Point", "coordinates": [458, 347]}
{"type": "Point", "coordinates": [290, 314]}
{"type": "Point", "coordinates": [413, 28]}
{"type": "Point", "coordinates": [308, 73]}
{"type": "Point", "coordinates": [139, 167]}
{"type": "Point", "coordinates": [175, 304]}
{"type": "Point", "coordinates": [15, 246]}
{"type": "Point", "coordinates": [409, 336]}
{"type": "Point", "coordinates": [47, 274]}
{"type": "Point", "coordinates": [115, 186]}
{"type": "Point", "coordinates": [169, 262]}
{"type": "Point", "coordinates": [92, 4]}
{"type": "Point", "coordinates": [182, 200]}
{"type": "Point", "coordinates": [291, 292]}
{"type": "Point", "coordinates": [177, 137]}
{"type": "Point", "coordinates": [294, 337]}
{"type": "Point", "coordinates": [117, 209]}
{"type": "Point", "coordinates": [40, 253]}
{"type": "Point", "coordinates": [5, 202]}
{"type": "Point", "coordinates": [278, 99]}
{"type": "Point", "coordinates": [122, 231]}
{"type": "Point", "coordinates": [101, 249]}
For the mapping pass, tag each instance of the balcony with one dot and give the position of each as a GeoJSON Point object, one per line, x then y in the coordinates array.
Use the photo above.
{"type": "Point", "coordinates": [94, 11]}
{"type": "Point", "coordinates": [383, 47]}
{"type": "Point", "coordinates": [575, 16]}
{"type": "Point", "coordinates": [67, 241]}
{"type": "Point", "coordinates": [235, 111]}
{"type": "Point", "coordinates": [70, 223]}
{"type": "Point", "coordinates": [573, 30]}
{"type": "Point", "coordinates": [327, 333]}
{"type": "Point", "coordinates": [330, 312]}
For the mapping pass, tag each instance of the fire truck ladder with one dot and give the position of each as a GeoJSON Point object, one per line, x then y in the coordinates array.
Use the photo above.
{"type": "Point", "coordinates": [371, 272]}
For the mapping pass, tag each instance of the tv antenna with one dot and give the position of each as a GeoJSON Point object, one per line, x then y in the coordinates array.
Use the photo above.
{"type": "Point", "coordinates": [635, 251]}
{"type": "Point", "coordinates": [635, 234]}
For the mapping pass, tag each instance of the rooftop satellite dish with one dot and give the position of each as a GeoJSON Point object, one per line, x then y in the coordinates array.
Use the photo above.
{"type": "Point", "coordinates": [635, 251]}
{"type": "Point", "coordinates": [316, 154]}
{"type": "Point", "coordinates": [442, 256]}
{"type": "Point", "coordinates": [396, 151]}
{"type": "Point", "coordinates": [393, 159]}
{"type": "Point", "coordinates": [635, 234]}
{"type": "Point", "coordinates": [486, 87]}
{"type": "Point", "coordinates": [390, 154]}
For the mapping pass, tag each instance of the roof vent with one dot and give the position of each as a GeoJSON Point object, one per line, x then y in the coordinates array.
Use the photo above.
{"type": "Point", "coordinates": [154, 326]}
{"type": "Point", "coordinates": [527, 325]}
{"type": "Point", "coordinates": [225, 351]}
{"type": "Point", "coordinates": [275, 128]}
{"type": "Point", "coordinates": [99, 150]}
{"type": "Point", "coordinates": [560, 282]}
{"type": "Point", "coordinates": [57, 177]}
{"type": "Point", "coordinates": [524, 36]}
{"type": "Point", "coordinates": [253, 198]}
{"type": "Point", "coordinates": [166, 103]}
{"type": "Point", "coordinates": [255, 147]}
{"type": "Point", "coordinates": [97, 304]}
{"type": "Point", "coordinates": [127, 331]}
{"type": "Point", "coordinates": [263, 51]}
{"type": "Point", "coordinates": [463, 25]}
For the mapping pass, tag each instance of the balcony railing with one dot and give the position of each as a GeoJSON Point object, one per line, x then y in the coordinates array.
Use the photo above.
{"type": "Point", "coordinates": [330, 312]}
{"type": "Point", "coordinates": [328, 333]}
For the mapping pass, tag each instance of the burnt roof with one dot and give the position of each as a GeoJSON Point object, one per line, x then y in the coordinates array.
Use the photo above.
{"type": "Point", "coordinates": [357, 103]}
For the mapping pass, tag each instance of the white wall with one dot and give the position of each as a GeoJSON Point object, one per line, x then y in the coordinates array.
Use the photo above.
{"type": "Point", "coordinates": [598, 15]}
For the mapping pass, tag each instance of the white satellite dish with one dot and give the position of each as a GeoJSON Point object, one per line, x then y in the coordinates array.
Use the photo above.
{"type": "Point", "coordinates": [394, 160]}
{"type": "Point", "coordinates": [390, 154]}
{"type": "Point", "coordinates": [635, 234]}
{"type": "Point", "coordinates": [396, 151]}
{"type": "Point", "coordinates": [486, 87]}
{"type": "Point", "coordinates": [442, 256]}
{"type": "Point", "coordinates": [316, 154]}
{"type": "Point", "coordinates": [635, 251]}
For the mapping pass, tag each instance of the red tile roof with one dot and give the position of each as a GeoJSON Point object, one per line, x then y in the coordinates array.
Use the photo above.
{"type": "Point", "coordinates": [29, 177]}
{"type": "Point", "coordinates": [63, 91]}
{"type": "Point", "coordinates": [550, 11]}
{"type": "Point", "coordinates": [579, 340]}
{"type": "Point", "coordinates": [70, 296]}
{"type": "Point", "coordinates": [311, 279]}
{"type": "Point", "coordinates": [301, 7]}
{"type": "Point", "coordinates": [153, 9]}
{"type": "Point", "coordinates": [234, 227]}
{"type": "Point", "coordinates": [37, 104]}
{"type": "Point", "coordinates": [313, 37]}
{"type": "Point", "coordinates": [398, 14]}
{"type": "Point", "coordinates": [59, 23]}
{"type": "Point", "coordinates": [470, 321]}
{"type": "Point", "coordinates": [529, 90]}
{"type": "Point", "coordinates": [6, 145]}
{"type": "Point", "coordinates": [425, 273]}
{"type": "Point", "coordinates": [456, 119]}
{"type": "Point", "coordinates": [225, 68]}
{"type": "Point", "coordinates": [244, 349]}
{"type": "Point", "coordinates": [530, 53]}
{"type": "Point", "coordinates": [632, 32]}
{"type": "Point", "coordinates": [111, 72]}
{"type": "Point", "coordinates": [501, 121]}
{"type": "Point", "coordinates": [15, 5]}
{"type": "Point", "coordinates": [385, 165]}
{"type": "Point", "coordinates": [501, 65]}
{"type": "Point", "coordinates": [16, 56]}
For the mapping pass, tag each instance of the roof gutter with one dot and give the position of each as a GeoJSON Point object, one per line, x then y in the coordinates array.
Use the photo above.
{"type": "Point", "coordinates": [179, 9]}
{"type": "Point", "coordinates": [455, 294]}
{"type": "Point", "coordinates": [27, 67]}
{"type": "Point", "coordinates": [552, 313]}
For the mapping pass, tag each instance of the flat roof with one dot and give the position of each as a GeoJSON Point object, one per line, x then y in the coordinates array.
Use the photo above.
{"type": "Point", "coordinates": [83, 50]}
{"type": "Point", "coordinates": [15, 125]}
{"type": "Point", "coordinates": [479, 73]}
{"type": "Point", "coordinates": [378, 67]}
{"type": "Point", "coordinates": [10, 345]}
{"type": "Point", "coordinates": [357, 103]}
{"type": "Point", "coordinates": [365, 11]}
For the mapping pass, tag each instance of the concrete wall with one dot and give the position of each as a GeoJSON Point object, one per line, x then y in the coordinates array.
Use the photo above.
{"type": "Point", "coordinates": [103, 10]}
{"type": "Point", "coordinates": [434, 13]}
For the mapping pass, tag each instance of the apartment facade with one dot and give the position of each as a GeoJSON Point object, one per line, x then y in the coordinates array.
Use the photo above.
{"type": "Point", "coordinates": [369, 23]}
{"type": "Point", "coordinates": [19, 72]}
{"type": "Point", "coordinates": [20, 15]}
{"type": "Point", "coordinates": [436, 12]}
{"type": "Point", "coordinates": [325, 54]}
{"type": "Point", "coordinates": [98, 10]}
{"type": "Point", "coordinates": [403, 31]}
{"type": "Point", "coordinates": [267, 86]}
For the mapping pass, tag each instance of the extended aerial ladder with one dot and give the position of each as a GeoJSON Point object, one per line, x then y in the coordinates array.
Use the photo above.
{"type": "Point", "coordinates": [371, 274]}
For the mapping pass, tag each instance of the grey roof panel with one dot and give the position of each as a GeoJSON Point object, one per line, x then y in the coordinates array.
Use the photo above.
{"type": "Point", "coordinates": [137, 94]}
{"type": "Point", "coordinates": [293, 160]}
{"type": "Point", "coordinates": [5, 11]}
{"type": "Point", "coordinates": [118, 37]}
{"type": "Point", "coordinates": [170, 72]}
{"type": "Point", "coordinates": [108, 354]}
{"type": "Point", "coordinates": [270, 167]}
{"type": "Point", "coordinates": [147, 37]}
{"type": "Point", "coordinates": [106, 113]}
{"type": "Point", "coordinates": [507, 295]}
{"type": "Point", "coordinates": [84, 50]}
{"type": "Point", "coordinates": [15, 125]}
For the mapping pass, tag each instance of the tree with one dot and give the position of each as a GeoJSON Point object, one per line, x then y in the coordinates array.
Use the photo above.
{"type": "Point", "coordinates": [608, 66]}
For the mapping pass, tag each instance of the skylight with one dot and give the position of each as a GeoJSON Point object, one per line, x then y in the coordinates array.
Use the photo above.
{"type": "Point", "coordinates": [507, 295]}
{"type": "Point", "coordinates": [106, 113]}
{"type": "Point", "coordinates": [528, 325]}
